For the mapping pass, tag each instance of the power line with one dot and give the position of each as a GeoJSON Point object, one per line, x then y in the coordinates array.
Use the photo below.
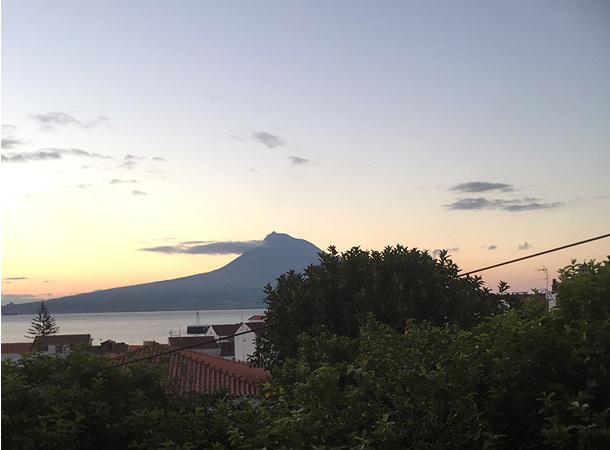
{"type": "Point", "coordinates": [175, 350]}
{"type": "Point", "coordinates": [535, 254]}
{"type": "Point", "coordinates": [125, 363]}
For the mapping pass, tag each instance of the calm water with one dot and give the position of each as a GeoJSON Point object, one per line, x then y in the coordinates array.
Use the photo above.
{"type": "Point", "coordinates": [131, 328]}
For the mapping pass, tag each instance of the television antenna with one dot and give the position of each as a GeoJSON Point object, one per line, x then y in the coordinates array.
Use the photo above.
{"type": "Point", "coordinates": [546, 276]}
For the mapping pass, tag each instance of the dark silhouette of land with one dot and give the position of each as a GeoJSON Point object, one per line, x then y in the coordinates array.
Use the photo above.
{"type": "Point", "coordinates": [238, 285]}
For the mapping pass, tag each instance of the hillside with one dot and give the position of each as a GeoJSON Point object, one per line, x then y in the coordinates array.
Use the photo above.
{"type": "Point", "coordinates": [237, 285]}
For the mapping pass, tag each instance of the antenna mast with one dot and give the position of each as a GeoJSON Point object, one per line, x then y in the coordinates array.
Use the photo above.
{"type": "Point", "coordinates": [546, 276]}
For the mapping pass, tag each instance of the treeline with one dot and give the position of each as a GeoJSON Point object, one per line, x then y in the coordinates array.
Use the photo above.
{"type": "Point", "coordinates": [368, 350]}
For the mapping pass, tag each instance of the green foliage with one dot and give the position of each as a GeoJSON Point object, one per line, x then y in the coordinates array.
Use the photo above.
{"type": "Point", "coordinates": [43, 324]}
{"type": "Point", "coordinates": [129, 407]}
{"type": "Point", "coordinates": [517, 380]}
{"type": "Point", "coordinates": [335, 297]}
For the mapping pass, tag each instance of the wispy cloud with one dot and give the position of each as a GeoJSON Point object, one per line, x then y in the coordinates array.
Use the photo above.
{"type": "Point", "coordinates": [512, 205]}
{"type": "Point", "coordinates": [138, 193]}
{"type": "Point", "coordinates": [52, 119]}
{"type": "Point", "coordinates": [116, 181]}
{"type": "Point", "coordinates": [437, 251]}
{"type": "Point", "coordinates": [21, 298]}
{"type": "Point", "coordinates": [10, 142]}
{"type": "Point", "coordinates": [492, 247]}
{"type": "Point", "coordinates": [131, 161]}
{"type": "Point", "coordinates": [482, 186]}
{"type": "Point", "coordinates": [207, 248]}
{"type": "Point", "coordinates": [49, 154]}
{"type": "Point", "coordinates": [9, 279]}
{"type": "Point", "coordinates": [8, 139]}
{"type": "Point", "coordinates": [268, 139]}
{"type": "Point", "coordinates": [24, 157]}
{"type": "Point", "coordinates": [296, 161]}
{"type": "Point", "coordinates": [83, 153]}
{"type": "Point", "coordinates": [524, 246]}
{"type": "Point", "coordinates": [503, 204]}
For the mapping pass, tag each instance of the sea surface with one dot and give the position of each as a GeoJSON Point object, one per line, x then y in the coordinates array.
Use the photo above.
{"type": "Point", "coordinates": [129, 327]}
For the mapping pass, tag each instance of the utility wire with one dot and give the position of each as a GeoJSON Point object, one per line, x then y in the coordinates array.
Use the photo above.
{"type": "Point", "coordinates": [125, 363]}
{"type": "Point", "coordinates": [534, 255]}
{"type": "Point", "coordinates": [175, 350]}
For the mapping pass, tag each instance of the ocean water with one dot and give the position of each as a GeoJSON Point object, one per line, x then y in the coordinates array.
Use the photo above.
{"type": "Point", "coordinates": [132, 328]}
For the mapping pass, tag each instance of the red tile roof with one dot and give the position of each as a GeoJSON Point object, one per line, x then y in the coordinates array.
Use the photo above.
{"type": "Point", "coordinates": [198, 372]}
{"type": "Point", "coordinates": [19, 347]}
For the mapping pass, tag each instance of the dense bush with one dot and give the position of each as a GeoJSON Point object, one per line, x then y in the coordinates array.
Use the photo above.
{"type": "Point", "coordinates": [518, 380]}
{"type": "Point", "coordinates": [336, 296]}
{"type": "Point", "coordinates": [94, 408]}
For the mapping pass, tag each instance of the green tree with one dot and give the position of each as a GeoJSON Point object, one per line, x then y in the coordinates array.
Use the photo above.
{"type": "Point", "coordinates": [521, 380]}
{"type": "Point", "coordinates": [336, 295]}
{"type": "Point", "coordinates": [76, 402]}
{"type": "Point", "coordinates": [43, 324]}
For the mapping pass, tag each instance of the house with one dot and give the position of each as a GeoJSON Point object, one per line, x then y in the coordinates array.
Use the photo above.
{"type": "Point", "coordinates": [245, 340]}
{"type": "Point", "coordinates": [198, 372]}
{"type": "Point", "coordinates": [237, 341]}
{"type": "Point", "coordinates": [201, 344]}
{"type": "Point", "coordinates": [14, 351]}
{"type": "Point", "coordinates": [108, 347]}
{"type": "Point", "coordinates": [59, 344]}
{"type": "Point", "coordinates": [224, 335]}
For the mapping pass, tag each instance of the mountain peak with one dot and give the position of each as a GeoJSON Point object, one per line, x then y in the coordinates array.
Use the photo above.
{"type": "Point", "coordinates": [276, 237]}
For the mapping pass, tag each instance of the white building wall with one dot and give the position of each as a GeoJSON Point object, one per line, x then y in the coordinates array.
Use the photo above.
{"type": "Point", "coordinates": [245, 345]}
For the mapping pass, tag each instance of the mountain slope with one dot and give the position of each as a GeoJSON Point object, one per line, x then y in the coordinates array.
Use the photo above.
{"type": "Point", "coordinates": [237, 285]}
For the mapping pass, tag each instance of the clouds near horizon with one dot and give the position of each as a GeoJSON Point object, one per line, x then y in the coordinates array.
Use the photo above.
{"type": "Point", "coordinates": [503, 204]}
{"type": "Point", "coordinates": [512, 205]}
{"type": "Point", "coordinates": [207, 248]}
{"type": "Point", "coordinates": [482, 186]}
{"type": "Point", "coordinates": [46, 154]}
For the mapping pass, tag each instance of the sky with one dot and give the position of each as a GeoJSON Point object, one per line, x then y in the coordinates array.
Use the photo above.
{"type": "Point", "coordinates": [150, 140]}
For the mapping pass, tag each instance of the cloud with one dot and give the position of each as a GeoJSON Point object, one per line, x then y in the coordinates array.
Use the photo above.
{"type": "Point", "coordinates": [19, 298]}
{"type": "Point", "coordinates": [15, 278]}
{"type": "Point", "coordinates": [138, 193]}
{"type": "Point", "coordinates": [470, 203]}
{"type": "Point", "coordinates": [131, 161]}
{"type": "Point", "coordinates": [8, 141]}
{"type": "Point", "coordinates": [525, 246]}
{"type": "Point", "coordinates": [115, 181]}
{"type": "Point", "coordinates": [492, 247]}
{"type": "Point", "coordinates": [40, 155]}
{"type": "Point", "coordinates": [51, 120]}
{"type": "Point", "coordinates": [79, 152]}
{"type": "Point", "coordinates": [208, 248]}
{"type": "Point", "coordinates": [296, 161]}
{"type": "Point", "coordinates": [268, 139]}
{"type": "Point", "coordinates": [482, 186]}
{"type": "Point", "coordinates": [47, 154]}
{"type": "Point", "coordinates": [437, 251]}
{"type": "Point", "coordinates": [524, 204]}
{"type": "Point", "coordinates": [158, 158]}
